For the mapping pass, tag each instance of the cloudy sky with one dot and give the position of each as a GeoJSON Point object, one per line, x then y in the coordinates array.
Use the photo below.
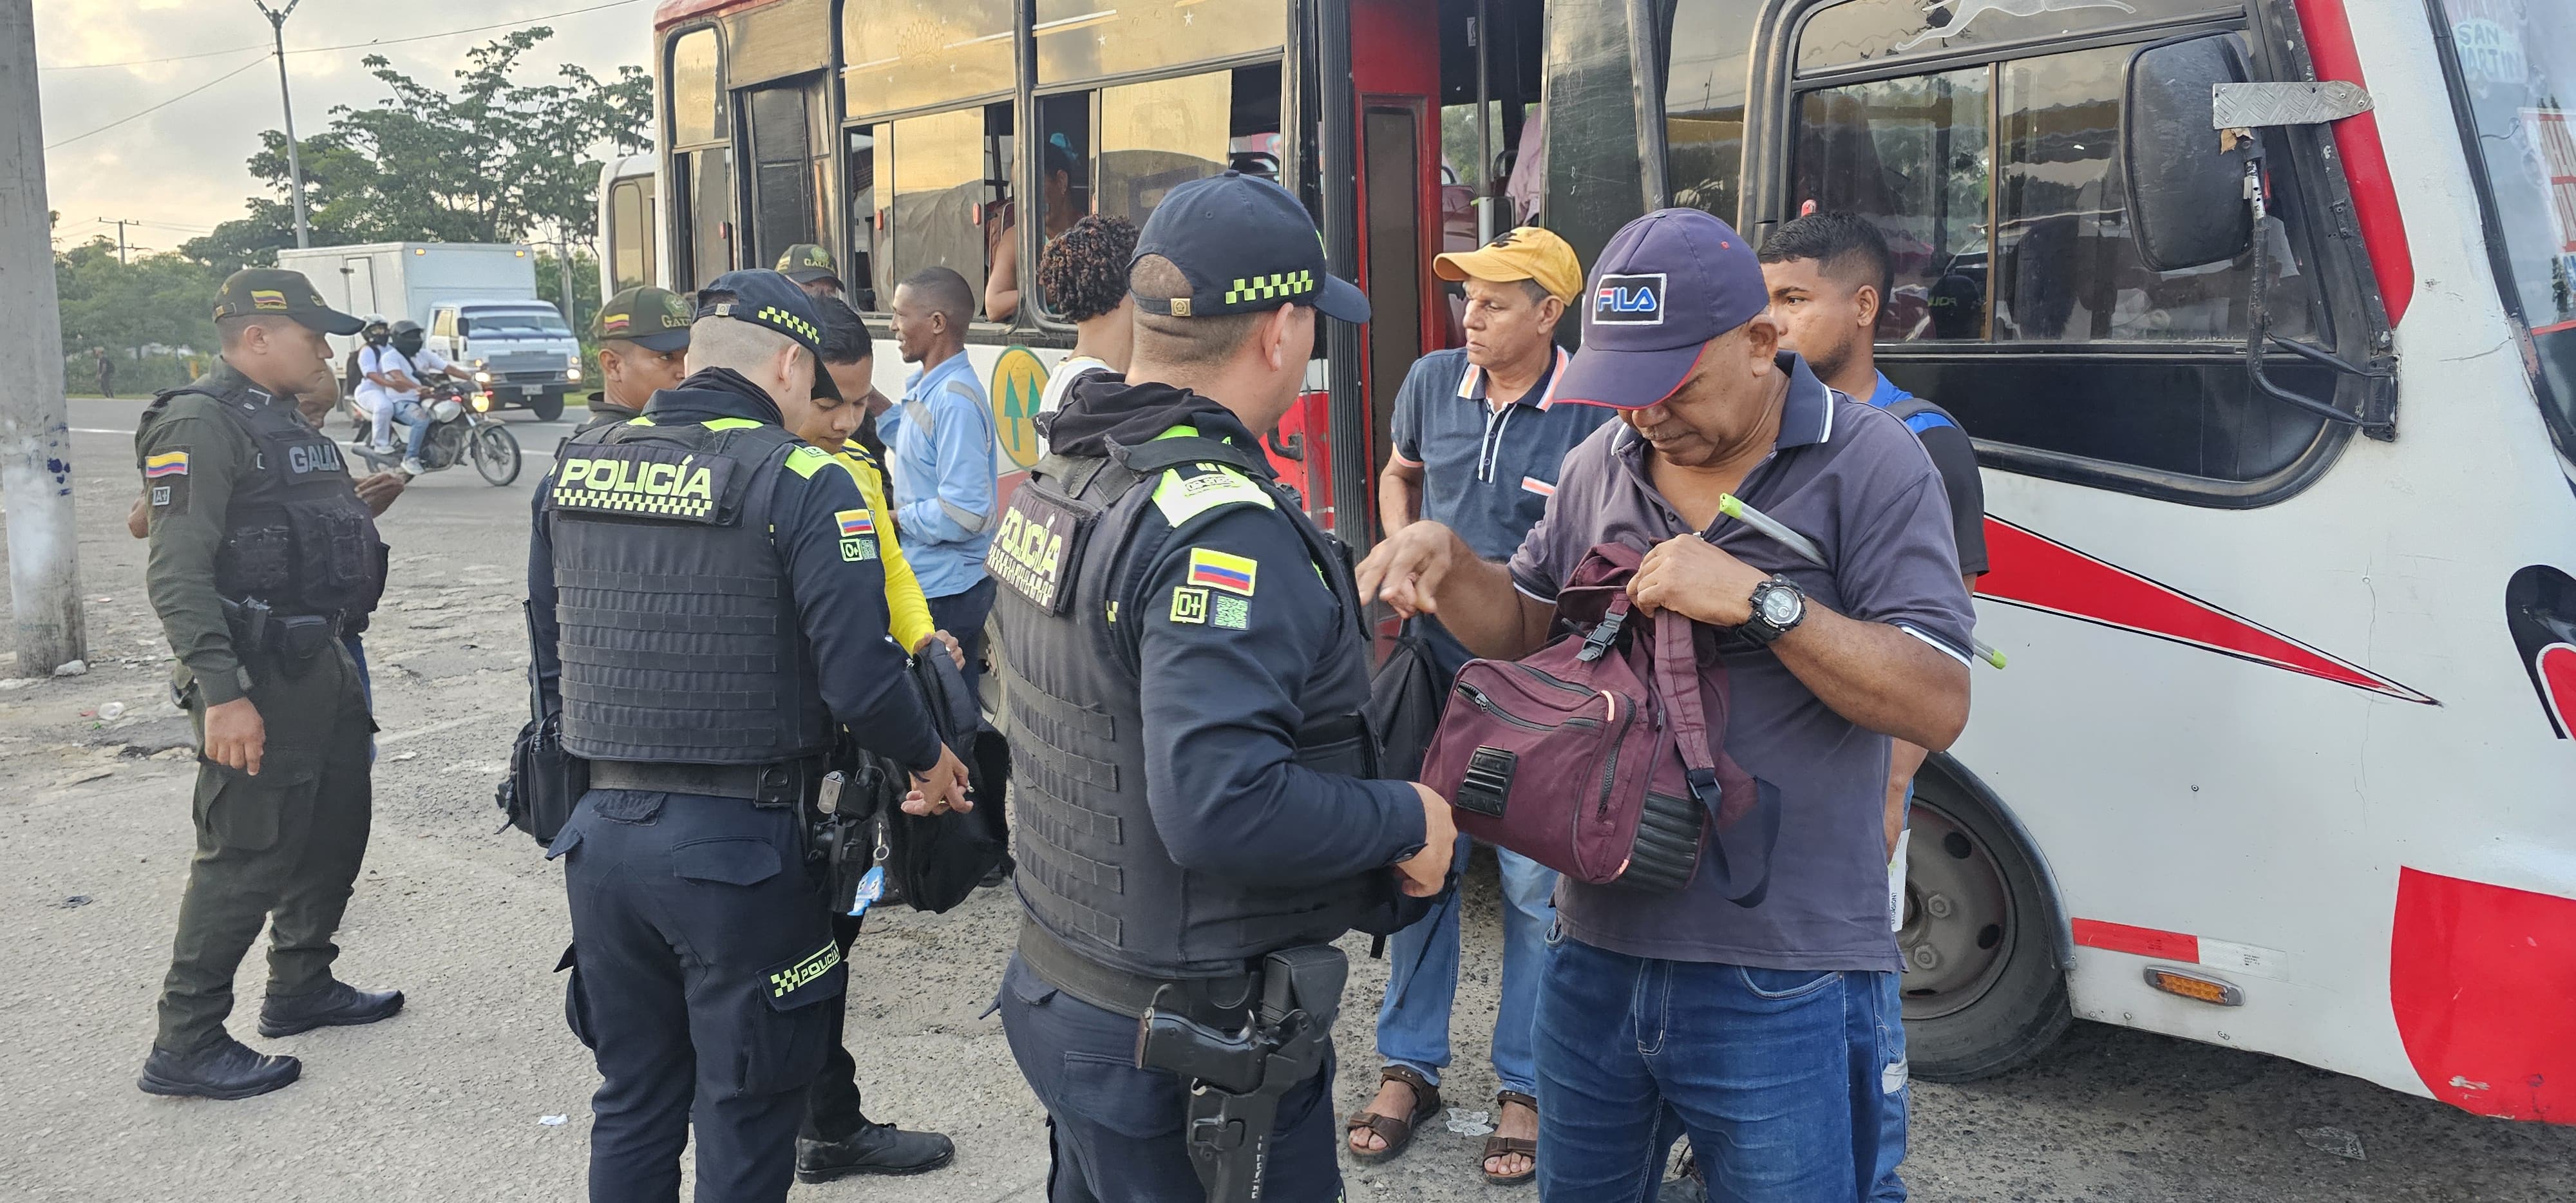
{"type": "Point", "coordinates": [180, 168]}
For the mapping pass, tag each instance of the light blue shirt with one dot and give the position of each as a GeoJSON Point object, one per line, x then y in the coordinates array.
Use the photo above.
{"type": "Point", "coordinates": [944, 484]}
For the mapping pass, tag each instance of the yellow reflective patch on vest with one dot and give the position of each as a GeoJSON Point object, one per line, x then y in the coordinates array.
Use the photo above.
{"type": "Point", "coordinates": [729, 424]}
{"type": "Point", "coordinates": [1208, 487]}
{"type": "Point", "coordinates": [805, 461]}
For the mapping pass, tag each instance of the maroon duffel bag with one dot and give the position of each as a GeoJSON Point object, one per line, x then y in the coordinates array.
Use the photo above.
{"type": "Point", "coordinates": [1593, 755]}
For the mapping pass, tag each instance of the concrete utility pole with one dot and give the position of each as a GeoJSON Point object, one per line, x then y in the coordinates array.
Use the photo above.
{"type": "Point", "coordinates": [120, 223]}
{"type": "Point", "coordinates": [563, 265]}
{"type": "Point", "coordinates": [294, 159]}
{"type": "Point", "coordinates": [35, 439]}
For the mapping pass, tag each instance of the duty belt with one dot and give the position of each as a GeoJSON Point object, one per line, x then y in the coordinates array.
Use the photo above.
{"type": "Point", "coordinates": [1219, 1002]}
{"type": "Point", "coordinates": [782, 784]}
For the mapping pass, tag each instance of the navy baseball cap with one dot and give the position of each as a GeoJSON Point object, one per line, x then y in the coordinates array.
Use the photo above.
{"type": "Point", "coordinates": [769, 299]}
{"type": "Point", "coordinates": [1245, 245]}
{"type": "Point", "coordinates": [1667, 284]}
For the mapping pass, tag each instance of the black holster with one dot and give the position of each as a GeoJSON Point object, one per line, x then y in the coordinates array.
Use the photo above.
{"type": "Point", "coordinates": [1237, 1079]}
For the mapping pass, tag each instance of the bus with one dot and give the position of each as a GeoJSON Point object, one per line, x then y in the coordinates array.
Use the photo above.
{"type": "Point", "coordinates": [2278, 426]}
{"type": "Point", "coordinates": [903, 134]}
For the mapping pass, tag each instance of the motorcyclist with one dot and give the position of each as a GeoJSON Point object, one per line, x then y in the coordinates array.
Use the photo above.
{"type": "Point", "coordinates": [394, 372]}
{"type": "Point", "coordinates": [378, 332]}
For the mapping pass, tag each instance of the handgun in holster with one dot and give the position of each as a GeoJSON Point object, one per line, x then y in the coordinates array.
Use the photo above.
{"type": "Point", "coordinates": [846, 835]}
{"type": "Point", "coordinates": [1237, 1078]}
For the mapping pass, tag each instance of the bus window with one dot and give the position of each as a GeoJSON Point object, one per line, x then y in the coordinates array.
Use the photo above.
{"type": "Point", "coordinates": [782, 171]}
{"type": "Point", "coordinates": [2517, 73]}
{"type": "Point", "coordinates": [1999, 188]}
{"type": "Point", "coordinates": [949, 171]}
{"type": "Point", "coordinates": [707, 176]}
{"type": "Point", "coordinates": [630, 232]}
{"type": "Point", "coordinates": [1858, 32]}
{"type": "Point", "coordinates": [698, 109]}
{"type": "Point", "coordinates": [1707, 50]}
{"type": "Point", "coordinates": [1081, 40]}
{"type": "Point", "coordinates": [911, 54]}
{"type": "Point", "coordinates": [1910, 154]}
{"type": "Point", "coordinates": [869, 290]}
{"type": "Point", "coordinates": [1914, 153]}
{"type": "Point", "coordinates": [1156, 135]}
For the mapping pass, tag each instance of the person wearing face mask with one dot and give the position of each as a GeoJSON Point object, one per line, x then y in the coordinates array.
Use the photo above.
{"type": "Point", "coordinates": [706, 605]}
{"type": "Point", "coordinates": [393, 370]}
{"type": "Point", "coordinates": [263, 559]}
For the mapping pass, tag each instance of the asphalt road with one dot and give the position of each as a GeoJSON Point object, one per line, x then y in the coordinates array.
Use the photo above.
{"type": "Point", "coordinates": [452, 1100]}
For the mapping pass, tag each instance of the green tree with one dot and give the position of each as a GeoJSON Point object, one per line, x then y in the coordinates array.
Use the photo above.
{"type": "Point", "coordinates": [146, 313]}
{"type": "Point", "coordinates": [494, 161]}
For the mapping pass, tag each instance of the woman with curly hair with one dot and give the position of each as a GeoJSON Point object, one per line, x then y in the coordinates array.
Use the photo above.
{"type": "Point", "coordinates": [1083, 275]}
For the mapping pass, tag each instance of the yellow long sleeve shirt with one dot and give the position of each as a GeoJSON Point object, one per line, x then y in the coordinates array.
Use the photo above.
{"type": "Point", "coordinates": [907, 609]}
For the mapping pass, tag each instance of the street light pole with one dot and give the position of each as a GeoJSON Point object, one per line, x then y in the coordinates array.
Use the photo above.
{"type": "Point", "coordinates": [294, 160]}
{"type": "Point", "coordinates": [35, 438]}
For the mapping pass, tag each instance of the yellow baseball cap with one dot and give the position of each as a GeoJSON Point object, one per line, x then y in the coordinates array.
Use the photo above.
{"type": "Point", "coordinates": [1527, 253]}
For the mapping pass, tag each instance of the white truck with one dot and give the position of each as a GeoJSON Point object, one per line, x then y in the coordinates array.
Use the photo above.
{"type": "Point", "coordinates": [478, 302]}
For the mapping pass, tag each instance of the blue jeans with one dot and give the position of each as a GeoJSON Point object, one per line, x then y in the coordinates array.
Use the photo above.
{"type": "Point", "coordinates": [1886, 1187]}
{"type": "Point", "coordinates": [1422, 979]}
{"type": "Point", "coordinates": [1774, 1074]}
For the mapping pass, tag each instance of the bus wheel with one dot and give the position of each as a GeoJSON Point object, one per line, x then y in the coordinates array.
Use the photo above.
{"type": "Point", "coordinates": [1983, 994]}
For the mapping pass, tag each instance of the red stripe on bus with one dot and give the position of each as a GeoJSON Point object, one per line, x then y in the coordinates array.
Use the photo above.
{"type": "Point", "coordinates": [2032, 570]}
{"type": "Point", "coordinates": [2479, 978]}
{"type": "Point", "coordinates": [2365, 162]}
{"type": "Point", "coordinates": [2556, 667]}
{"type": "Point", "coordinates": [2138, 941]}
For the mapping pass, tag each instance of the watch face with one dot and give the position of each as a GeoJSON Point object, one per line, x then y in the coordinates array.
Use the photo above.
{"type": "Point", "coordinates": [1780, 607]}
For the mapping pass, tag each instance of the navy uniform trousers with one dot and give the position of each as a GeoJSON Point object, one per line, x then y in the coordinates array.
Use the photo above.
{"type": "Point", "coordinates": [704, 977]}
{"type": "Point", "coordinates": [1115, 1131]}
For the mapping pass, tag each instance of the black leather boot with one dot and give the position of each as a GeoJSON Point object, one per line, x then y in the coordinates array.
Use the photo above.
{"type": "Point", "coordinates": [336, 1005]}
{"type": "Point", "coordinates": [873, 1149]}
{"type": "Point", "coordinates": [225, 1069]}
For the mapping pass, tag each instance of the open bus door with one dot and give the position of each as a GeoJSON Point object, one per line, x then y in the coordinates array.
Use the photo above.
{"type": "Point", "coordinates": [1372, 78]}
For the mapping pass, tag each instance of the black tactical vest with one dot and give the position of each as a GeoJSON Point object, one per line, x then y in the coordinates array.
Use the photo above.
{"type": "Point", "coordinates": [1092, 870]}
{"type": "Point", "coordinates": [295, 534]}
{"type": "Point", "coordinates": [679, 635]}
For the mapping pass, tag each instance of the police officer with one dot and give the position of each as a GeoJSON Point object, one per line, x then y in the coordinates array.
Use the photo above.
{"type": "Point", "coordinates": [1186, 663]}
{"type": "Point", "coordinates": [708, 602]}
{"type": "Point", "coordinates": [810, 266]}
{"type": "Point", "coordinates": [643, 339]}
{"type": "Point", "coordinates": [262, 558]}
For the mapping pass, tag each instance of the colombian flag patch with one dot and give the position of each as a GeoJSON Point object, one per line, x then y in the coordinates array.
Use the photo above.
{"type": "Point", "coordinates": [268, 299]}
{"type": "Point", "coordinates": [168, 463]}
{"type": "Point", "coordinates": [856, 522]}
{"type": "Point", "coordinates": [1217, 570]}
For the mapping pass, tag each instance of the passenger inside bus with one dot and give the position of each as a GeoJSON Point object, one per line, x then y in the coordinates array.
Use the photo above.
{"type": "Point", "coordinates": [1058, 208]}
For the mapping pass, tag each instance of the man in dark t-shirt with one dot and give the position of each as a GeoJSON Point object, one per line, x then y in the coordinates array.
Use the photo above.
{"type": "Point", "coordinates": [1758, 1027]}
{"type": "Point", "coordinates": [1828, 274]}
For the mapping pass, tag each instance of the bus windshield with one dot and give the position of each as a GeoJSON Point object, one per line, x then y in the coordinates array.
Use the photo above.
{"type": "Point", "coordinates": [2517, 64]}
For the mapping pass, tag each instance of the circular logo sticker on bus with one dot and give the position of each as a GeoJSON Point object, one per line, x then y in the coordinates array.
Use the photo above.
{"type": "Point", "coordinates": [1019, 382]}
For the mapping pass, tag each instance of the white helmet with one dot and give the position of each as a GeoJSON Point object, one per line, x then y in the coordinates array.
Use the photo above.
{"type": "Point", "coordinates": [446, 410]}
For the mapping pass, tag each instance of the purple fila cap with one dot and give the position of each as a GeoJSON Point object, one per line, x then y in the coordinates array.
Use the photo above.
{"type": "Point", "coordinates": [1667, 284]}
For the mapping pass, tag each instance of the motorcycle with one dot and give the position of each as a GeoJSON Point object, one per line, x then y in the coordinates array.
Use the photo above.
{"type": "Point", "coordinates": [461, 427]}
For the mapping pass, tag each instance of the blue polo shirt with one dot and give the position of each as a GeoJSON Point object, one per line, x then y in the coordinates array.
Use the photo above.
{"type": "Point", "coordinates": [1486, 472]}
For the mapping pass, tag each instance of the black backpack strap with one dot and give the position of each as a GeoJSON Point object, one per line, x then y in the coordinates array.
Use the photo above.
{"type": "Point", "coordinates": [1154, 456]}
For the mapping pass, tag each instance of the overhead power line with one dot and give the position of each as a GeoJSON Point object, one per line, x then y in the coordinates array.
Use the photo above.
{"type": "Point", "coordinates": [158, 107]}
{"type": "Point", "coordinates": [421, 37]}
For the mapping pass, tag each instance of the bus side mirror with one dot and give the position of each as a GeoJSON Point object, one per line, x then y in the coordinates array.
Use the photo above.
{"type": "Point", "coordinates": [2187, 201]}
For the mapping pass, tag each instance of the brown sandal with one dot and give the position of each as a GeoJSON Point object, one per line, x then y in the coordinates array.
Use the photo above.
{"type": "Point", "coordinates": [1505, 1146]}
{"type": "Point", "coordinates": [1397, 1133]}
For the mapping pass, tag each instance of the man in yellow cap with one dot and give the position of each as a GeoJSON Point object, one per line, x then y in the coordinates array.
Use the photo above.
{"type": "Point", "coordinates": [1478, 441]}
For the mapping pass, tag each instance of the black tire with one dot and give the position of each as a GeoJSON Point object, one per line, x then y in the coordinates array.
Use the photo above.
{"type": "Point", "coordinates": [547, 406]}
{"type": "Point", "coordinates": [495, 452]}
{"type": "Point", "coordinates": [1983, 993]}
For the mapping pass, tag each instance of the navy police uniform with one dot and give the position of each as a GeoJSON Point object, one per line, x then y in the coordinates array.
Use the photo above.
{"type": "Point", "coordinates": [1185, 666]}
{"type": "Point", "coordinates": [707, 603]}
